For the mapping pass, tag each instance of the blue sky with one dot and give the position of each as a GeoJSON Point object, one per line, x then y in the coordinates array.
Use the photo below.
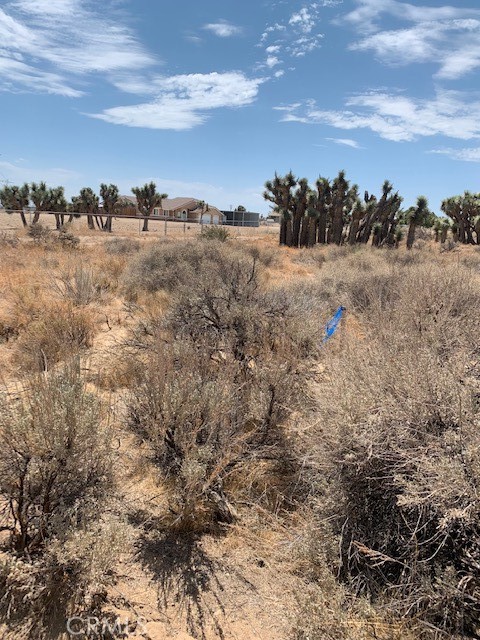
{"type": "Point", "coordinates": [210, 98]}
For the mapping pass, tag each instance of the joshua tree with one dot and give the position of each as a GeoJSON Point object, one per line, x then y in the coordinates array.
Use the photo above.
{"type": "Point", "coordinates": [340, 196]}
{"type": "Point", "coordinates": [417, 218]}
{"type": "Point", "coordinates": [39, 194]}
{"type": "Point", "coordinates": [358, 212]}
{"type": "Point", "coordinates": [453, 208]}
{"type": "Point", "coordinates": [87, 202]}
{"type": "Point", "coordinates": [299, 207]}
{"type": "Point", "coordinates": [476, 226]}
{"type": "Point", "coordinates": [322, 216]}
{"type": "Point", "coordinates": [324, 203]}
{"type": "Point", "coordinates": [309, 227]}
{"type": "Point", "coordinates": [147, 199]}
{"type": "Point", "coordinates": [279, 191]}
{"type": "Point", "coordinates": [57, 204]}
{"type": "Point", "coordinates": [16, 199]}
{"type": "Point", "coordinates": [445, 226]}
{"type": "Point", "coordinates": [109, 195]}
{"type": "Point", "coordinates": [470, 210]}
{"type": "Point", "coordinates": [46, 199]}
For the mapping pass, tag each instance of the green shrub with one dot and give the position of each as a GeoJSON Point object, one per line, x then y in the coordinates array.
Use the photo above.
{"type": "Point", "coordinates": [214, 233]}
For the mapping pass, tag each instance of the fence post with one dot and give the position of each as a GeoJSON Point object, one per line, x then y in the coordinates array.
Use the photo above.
{"type": "Point", "coordinates": [165, 226]}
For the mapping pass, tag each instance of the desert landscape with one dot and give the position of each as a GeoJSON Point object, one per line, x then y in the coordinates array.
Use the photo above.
{"type": "Point", "coordinates": [183, 455]}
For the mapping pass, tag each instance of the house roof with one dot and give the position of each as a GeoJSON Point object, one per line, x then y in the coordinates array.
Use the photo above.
{"type": "Point", "coordinates": [131, 199]}
{"type": "Point", "coordinates": [209, 210]}
{"type": "Point", "coordinates": [170, 204]}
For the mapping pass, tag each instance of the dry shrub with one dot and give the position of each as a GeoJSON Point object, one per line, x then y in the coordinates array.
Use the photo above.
{"type": "Point", "coordinates": [315, 256]}
{"type": "Point", "coordinates": [79, 286]}
{"type": "Point", "coordinates": [54, 335]}
{"type": "Point", "coordinates": [169, 266]}
{"type": "Point", "coordinates": [109, 271]}
{"type": "Point", "coordinates": [398, 442]}
{"type": "Point", "coordinates": [224, 369]}
{"type": "Point", "coordinates": [56, 476]}
{"type": "Point", "coordinates": [266, 256]}
{"type": "Point", "coordinates": [40, 234]}
{"type": "Point", "coordinates": [232, 311]}
{"type": "Point", "coordinates": [8, 240]}
{"type": "Point", "coordinates": [328, 612]}
{"type": "Point", "coordinates": [121, 246]}
{"type": "Point", "coordinates": [206, 420]}
{"type": "Point", "coordinates": [219, 298]}
{"type": "Point", "coordinates": [45, 237]}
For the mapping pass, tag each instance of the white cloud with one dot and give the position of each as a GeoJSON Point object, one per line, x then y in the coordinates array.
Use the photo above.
{"type": "Point", "coordinates": [272, 61]}
{"type": "Point", "coordinates": [15, 74]}
{"type": "Point", "coordinates": [272, 29]}
{"type": "Point", "coordinates": [304, 45]}
{"type": "Point", "coordinates": [368, 13]}
{"type": "Point", "coordinates": [470, 154]}
{"type": "Point", "coordinates": [298, 36]}
{"type": "Point", "coordinates": [398, 118]}
{"type": "Point", "coordinates": [346, 142]}
{"type": "Point", "coordinates": [59, 41]}
{"type": "Point", "coordinates": [19, 173]}
{"type": "Point", "coordinates": [446, 36]}
{"type": "Point", "coordinates": [279, 73]}
{"type": "Point", "coordinates": [182, 101]}
{"type": "Point", "coordinates": [288, 107]}
{"type": "Point", "coordinates": [304, 20]}
{"type": "Point", "coordinates": [223, 29]}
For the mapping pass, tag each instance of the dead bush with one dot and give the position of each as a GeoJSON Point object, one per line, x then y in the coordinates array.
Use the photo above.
{"type": "Point", "coordinates": [56, 478]}
{"type": "Point", "coordinates": [55, 334]}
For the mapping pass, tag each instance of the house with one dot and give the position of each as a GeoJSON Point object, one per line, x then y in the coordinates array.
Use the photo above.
{"type": "Point", "coordinates": [189, 210]}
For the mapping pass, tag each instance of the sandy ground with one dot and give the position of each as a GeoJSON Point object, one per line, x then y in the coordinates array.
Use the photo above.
{"type": "Point", "coordinates": [132, 228]}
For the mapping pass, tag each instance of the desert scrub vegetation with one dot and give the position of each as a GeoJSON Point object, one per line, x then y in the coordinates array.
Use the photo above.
{"type": "Point", "coordinates": [394, 455]}
{"type": "Point", "coordinates": [225, 366]}
{"type": "Point", "coordinates": [54, 335]}
{"type": "Point", "coordinates": [56, 484]}
{"type": "Point", "coordinates": [218, 233]}
{"type": "Point", "coordinates": [359, 457]}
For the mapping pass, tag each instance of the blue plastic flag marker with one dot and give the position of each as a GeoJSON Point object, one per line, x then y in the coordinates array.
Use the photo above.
{"type": "Point", "coordinates": [332, 325]}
